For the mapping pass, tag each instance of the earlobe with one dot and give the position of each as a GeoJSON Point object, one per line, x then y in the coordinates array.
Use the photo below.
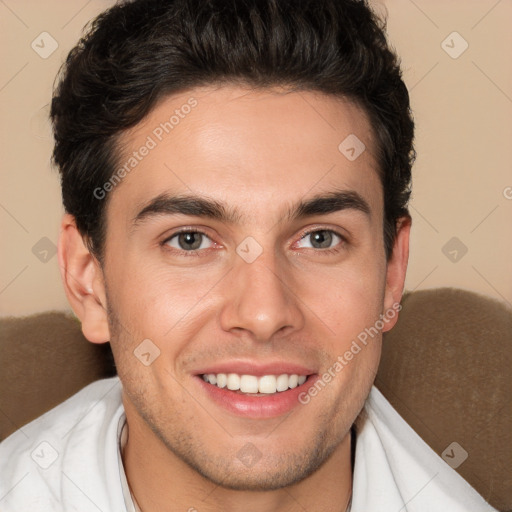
{"type": "Point", "coordinates": [83, 282]}
{"type": "Point", "coordinates": [396, 270]}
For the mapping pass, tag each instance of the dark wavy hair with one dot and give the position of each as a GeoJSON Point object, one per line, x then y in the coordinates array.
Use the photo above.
{"type": "Point", "coordinates": [136, 53]}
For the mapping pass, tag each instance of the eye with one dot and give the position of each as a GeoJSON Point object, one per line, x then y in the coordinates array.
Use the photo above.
{"type": "Point", "coordinates": [320, 239]}
{"type": "Point", "coordinates": [189, 241]}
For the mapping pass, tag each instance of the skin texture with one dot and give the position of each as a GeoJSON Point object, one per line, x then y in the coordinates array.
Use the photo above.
{"type": "Point", "coordinates": [259, 152]}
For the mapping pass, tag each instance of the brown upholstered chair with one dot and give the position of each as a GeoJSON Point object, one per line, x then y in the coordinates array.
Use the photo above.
{"type": "Point", "coordinates": [446, 368]}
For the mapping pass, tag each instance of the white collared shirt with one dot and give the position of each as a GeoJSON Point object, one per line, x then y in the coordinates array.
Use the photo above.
{"type": "Point", "coordinates": [69, 459]}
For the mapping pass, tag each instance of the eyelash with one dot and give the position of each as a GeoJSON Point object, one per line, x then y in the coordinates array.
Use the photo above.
{"type": "Point", "coordinates": [193, 254]}
{"type": "Point", "coordinates": [197, 253]}
{"type": "Point", "coordinates": [334, 250]}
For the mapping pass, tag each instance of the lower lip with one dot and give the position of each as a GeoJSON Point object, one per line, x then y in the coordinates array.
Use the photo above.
{"type": "Point", "coordinates": [267, 406]}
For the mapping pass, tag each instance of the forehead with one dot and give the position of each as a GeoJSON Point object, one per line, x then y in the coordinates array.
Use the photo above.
{"type": "Point", "coordinates": [253, 149]}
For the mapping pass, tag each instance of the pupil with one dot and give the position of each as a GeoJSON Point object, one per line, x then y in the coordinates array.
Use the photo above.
{"type": "Point", "coordinates": [190, 240]}
{"type": "Point", "coordinates": [322, 239]}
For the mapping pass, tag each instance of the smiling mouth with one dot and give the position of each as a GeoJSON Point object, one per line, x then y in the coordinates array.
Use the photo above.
{"type": "Point", "coordinates": [253, 385]}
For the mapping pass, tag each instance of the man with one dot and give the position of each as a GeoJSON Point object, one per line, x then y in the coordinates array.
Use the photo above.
{"type": "Point", "coordinates": [235, 176]}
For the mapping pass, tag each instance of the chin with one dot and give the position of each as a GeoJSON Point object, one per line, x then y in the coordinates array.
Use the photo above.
{"type": "Point", "coordinates": [270, 476]}
{"type": "Point", "coordinates": [252, 469]}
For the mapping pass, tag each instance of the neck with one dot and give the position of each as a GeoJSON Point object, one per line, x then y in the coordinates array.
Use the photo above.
{"type": "Point", "coordinates": [160, 481]}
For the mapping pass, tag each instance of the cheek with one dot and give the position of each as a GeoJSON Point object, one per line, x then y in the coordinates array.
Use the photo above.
{"type": "Point", "coordinates": [347, 298]}
{"type": "Point", "coordinates": [348, 301]}
{"type": "Point", "coordinates": [160, 303]}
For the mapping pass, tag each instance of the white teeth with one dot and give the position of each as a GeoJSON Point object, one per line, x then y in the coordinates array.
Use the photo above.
{"type": "Point", "coordinates": [282, 382]}
{"type": "Point", "coordinates": [267, 384]}
{"type": "Point", "coordinates": [248, 384]}
{"type": "Point", "coordinates": [233, 382]}
{"type": "Point", "coordinates": [222, 380]}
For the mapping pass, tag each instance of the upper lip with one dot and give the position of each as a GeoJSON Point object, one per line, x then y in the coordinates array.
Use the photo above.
{"type": "Point", "coordinates": [256, 368]}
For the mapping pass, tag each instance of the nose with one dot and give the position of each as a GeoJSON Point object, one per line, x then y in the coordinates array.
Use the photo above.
{"type": "Point", "coordinates": [260, 300]}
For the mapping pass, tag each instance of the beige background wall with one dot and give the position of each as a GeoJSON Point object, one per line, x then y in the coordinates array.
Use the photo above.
{"type": "Point", "coordinates": [462, 179]}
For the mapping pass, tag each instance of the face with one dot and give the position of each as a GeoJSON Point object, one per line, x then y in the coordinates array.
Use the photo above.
{"type": "Point", "coordinates": [245, 245]}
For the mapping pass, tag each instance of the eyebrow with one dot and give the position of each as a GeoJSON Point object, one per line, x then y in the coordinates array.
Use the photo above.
{"type": "Point", "coordinates": [197, 206]}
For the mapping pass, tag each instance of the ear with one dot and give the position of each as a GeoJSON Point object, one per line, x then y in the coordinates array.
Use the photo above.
{"type": "Point", "coordinates": [396, 270]}
{"type": "Point", "coordinates": [83, 282]}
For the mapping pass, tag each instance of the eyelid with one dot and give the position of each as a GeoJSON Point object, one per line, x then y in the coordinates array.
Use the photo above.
{"type": "Point", "coordinates": [190, 229]}
{"type": "Point", "coordinates": [187, 229]}
{"type": "Point", "coordinates": [330, 250]}
{"type": "Point", "coordinates": [308, 231]}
